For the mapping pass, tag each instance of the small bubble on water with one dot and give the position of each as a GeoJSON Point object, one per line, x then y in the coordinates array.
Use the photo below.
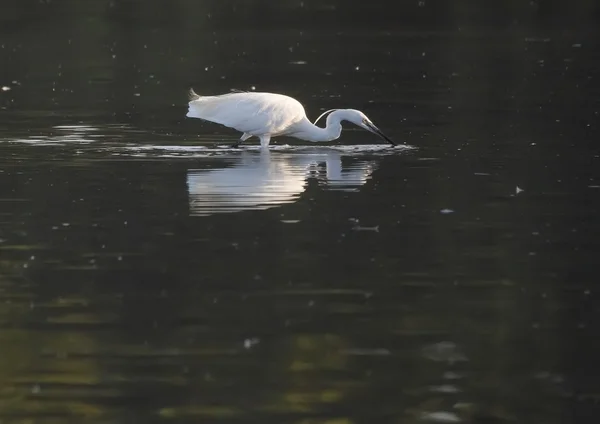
{"type": "Point", "coordinates": [440, 417]}
{"type": "Point", "coordinates": [450, 375]}
{"type": "Point", "coordinates": [248, 343]}
{"type": "Point", "coordinates": [445, 388]}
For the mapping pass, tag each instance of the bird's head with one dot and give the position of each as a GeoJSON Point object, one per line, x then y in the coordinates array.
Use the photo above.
{"type": "Point", "coordinates": [360, 119]}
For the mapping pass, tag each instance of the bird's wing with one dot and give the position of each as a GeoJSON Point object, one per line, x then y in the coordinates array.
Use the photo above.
{"type": "Point", "coordinates": [253, 113]}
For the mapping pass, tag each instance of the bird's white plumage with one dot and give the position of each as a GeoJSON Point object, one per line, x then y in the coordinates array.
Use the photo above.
{"type": "Point", "coordinates": [268, 115]}
{"type": "Point", "coordinates": [251, 113]}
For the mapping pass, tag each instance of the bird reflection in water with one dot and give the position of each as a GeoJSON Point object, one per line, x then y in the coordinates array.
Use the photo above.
{"type": "Point", "coordinates": [259, 181]}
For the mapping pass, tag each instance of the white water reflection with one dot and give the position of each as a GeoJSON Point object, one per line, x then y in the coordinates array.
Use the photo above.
{"type": "Point", "coordinates": [127, 140]}
{"type": "Point", "coordinates": [262, 180]}
{"type": "Point", "coordinates": [76, 134]}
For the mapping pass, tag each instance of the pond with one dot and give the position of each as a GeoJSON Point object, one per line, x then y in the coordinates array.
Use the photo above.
{"type": "Point", "coordinates": [150, 273]}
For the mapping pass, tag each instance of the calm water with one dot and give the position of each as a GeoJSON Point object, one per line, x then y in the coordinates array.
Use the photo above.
{"type": "Point", "coordinates": [148, 274]}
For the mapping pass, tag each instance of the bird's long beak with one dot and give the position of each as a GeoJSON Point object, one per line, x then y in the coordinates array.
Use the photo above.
{"type": "Point", "coordinates": [372, 128]}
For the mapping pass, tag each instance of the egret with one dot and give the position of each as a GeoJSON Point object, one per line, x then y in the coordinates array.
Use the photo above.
{"type": "Point", "coordinates": [267, 115]}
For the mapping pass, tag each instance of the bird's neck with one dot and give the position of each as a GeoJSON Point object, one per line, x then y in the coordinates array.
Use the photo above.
{"type": "Point", "coordinates": [308, 131]}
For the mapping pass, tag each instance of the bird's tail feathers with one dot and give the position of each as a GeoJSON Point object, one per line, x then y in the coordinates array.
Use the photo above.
{"type": "Point", "coordinates": [192, 95]}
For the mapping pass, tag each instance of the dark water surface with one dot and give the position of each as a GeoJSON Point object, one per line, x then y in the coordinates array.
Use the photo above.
{"type": "Point", "coordinates": [149, 275]}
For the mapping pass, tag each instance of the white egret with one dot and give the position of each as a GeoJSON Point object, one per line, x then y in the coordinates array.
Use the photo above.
{"type": "Point", "coordinates": [267, 115]}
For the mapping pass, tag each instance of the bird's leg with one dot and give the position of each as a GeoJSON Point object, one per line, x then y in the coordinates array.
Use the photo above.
{"type": "Point", "coordinates": [244, 137]}
{"type": "Point", "coordinates": [264, 141]}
